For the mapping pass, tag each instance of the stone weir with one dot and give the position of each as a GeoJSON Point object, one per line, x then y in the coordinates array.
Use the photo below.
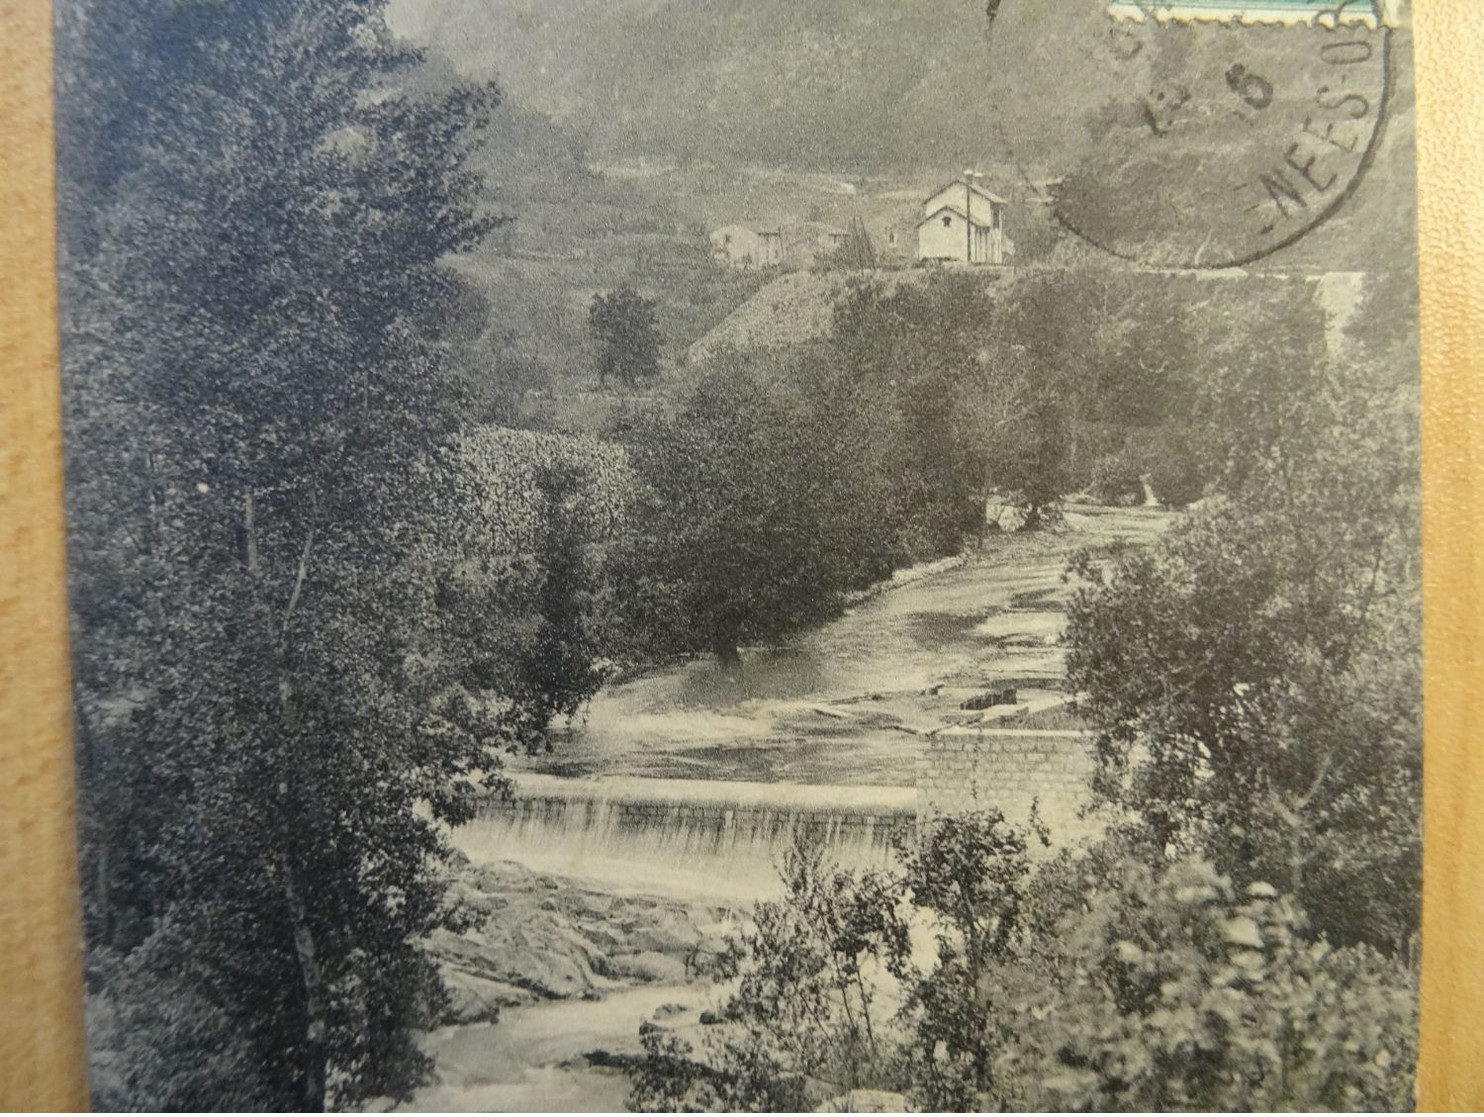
{"type": "Point", "coordinates": [725, 839]}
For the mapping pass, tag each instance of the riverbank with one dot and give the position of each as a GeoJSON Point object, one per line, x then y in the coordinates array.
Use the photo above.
{"type": "Point", "coordinates": [850, 702]}
{"type": "Point", "coordinates": [644, 838]}
{"type": "Point", "coordinates": [549, 983]}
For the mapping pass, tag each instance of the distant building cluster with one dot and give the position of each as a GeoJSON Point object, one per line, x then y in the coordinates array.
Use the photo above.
{"type": "Point", "coordinates": [798, 245]}
{"type": "Point", "coordinates": [960, 222]}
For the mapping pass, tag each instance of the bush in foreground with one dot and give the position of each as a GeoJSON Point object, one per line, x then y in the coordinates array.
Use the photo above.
{"type": "Point", "coordinates": [967, 980]}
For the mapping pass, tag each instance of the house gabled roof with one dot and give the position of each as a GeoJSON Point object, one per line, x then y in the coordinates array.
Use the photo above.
{"type": "Point", "coordinates": [959, 183]}
{"type": "Point", "coordinates": [957, 210]}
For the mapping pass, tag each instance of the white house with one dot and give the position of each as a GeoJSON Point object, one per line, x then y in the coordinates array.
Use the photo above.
{"type": "Point", "coordinates": [738, 246]}
{"type": "Point", "coordinates": [963, 223]}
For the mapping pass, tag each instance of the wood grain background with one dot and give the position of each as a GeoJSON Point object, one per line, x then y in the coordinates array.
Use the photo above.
{"type": "Point", "coordinates": [41, 1048]}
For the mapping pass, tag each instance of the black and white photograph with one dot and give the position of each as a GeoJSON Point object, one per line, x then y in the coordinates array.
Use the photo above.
{"type": "Point", "coordinates": [743, 555]}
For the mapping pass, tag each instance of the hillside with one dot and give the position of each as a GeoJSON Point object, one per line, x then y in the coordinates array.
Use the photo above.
{"type": "Point", "coordinates": [630, 127]}
{"type": "Point", "coordinates": [849, 87]}
{"type": "Point", "coordinates": [799, 308]}
{"type": "Point", "coordinates": [839, 82]}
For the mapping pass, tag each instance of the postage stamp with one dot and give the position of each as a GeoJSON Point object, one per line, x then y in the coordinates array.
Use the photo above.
{"type": "Point", "coordinates": [1193, 135]}
{"type": "Point", "coordinates": [1323, 13]}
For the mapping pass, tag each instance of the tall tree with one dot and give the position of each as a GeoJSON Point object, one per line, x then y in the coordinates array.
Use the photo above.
{"type": "Point", "coordinates": [751, 516]}
{"type": "Point", "coordinates": [1256, 677]}
{"type": "Point", "coordinates": [628, 337]}
{"type": "Point", "coordinates": [254, 211]}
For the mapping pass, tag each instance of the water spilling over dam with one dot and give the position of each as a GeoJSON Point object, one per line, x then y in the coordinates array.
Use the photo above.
{"type": "Point", "coordinates": [700, 837]}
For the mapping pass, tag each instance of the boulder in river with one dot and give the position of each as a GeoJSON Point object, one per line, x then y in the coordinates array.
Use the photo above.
{"type": "Point", "coordinates": [535, 937]}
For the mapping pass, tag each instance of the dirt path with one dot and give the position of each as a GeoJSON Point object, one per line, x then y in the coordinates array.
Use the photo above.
{"type": "Point", "coordinates": [848, 702]}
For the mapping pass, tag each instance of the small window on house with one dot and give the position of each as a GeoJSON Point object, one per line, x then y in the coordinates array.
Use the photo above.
{"type": "Point", "coordinates": [891, 238]}
{"type": "Point", "coordinates": [947, 220]}
{"type": "Point", "coordinates": [726, 238]}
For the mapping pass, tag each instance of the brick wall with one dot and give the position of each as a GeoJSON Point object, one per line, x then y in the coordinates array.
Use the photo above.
{"type": "Point", "coordinates": [963, 769]}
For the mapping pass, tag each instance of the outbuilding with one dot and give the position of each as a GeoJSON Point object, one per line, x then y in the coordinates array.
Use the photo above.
{"type": "Point", "coordinates": [739, 246]}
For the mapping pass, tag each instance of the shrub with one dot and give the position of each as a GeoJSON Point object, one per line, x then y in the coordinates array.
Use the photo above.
{"type": "Point", "coordinates": [627, 333]}
{"type": "Point", "coordinates": [1255, 681]}
{"type": "Point", "coordinates": [1108, 980]}
{"type": "Point", "coordinates": [1118, 479]}
{"type": "Point", "coordinates": [1175, 990]}
{"type": "Point", "coordinates": [1175, 475]}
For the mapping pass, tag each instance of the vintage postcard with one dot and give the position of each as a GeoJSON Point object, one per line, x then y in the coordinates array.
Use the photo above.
{"type": "Point", "coordinates": [667, 555]}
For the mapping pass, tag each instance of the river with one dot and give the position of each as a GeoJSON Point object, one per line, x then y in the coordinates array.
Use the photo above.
{"type": "Point", "coordinates": [682, 787]}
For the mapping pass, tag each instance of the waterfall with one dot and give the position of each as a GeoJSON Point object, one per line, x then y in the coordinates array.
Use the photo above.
{"type": "Point", "coordinates": [707, 838]}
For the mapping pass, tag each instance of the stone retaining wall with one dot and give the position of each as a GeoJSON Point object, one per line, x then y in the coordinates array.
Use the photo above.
{"type": "Point", "coordinates": [966, 769]}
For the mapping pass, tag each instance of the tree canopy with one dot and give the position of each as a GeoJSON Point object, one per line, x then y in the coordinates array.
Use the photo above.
{"type": "Point", "coordinates": [1256, 677]}
{"type": "Point", "coordinates": [255, 211]}
{"type": "Point", "coordinates": [1099, 980]}
{"type": "Point", "coordinates": [628, 337]}
{"type": "Point", "coordinates": [751, 515]}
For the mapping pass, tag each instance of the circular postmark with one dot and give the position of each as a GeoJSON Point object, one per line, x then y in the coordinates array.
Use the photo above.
{"type": "Point", "coordinates": [1188, 134]}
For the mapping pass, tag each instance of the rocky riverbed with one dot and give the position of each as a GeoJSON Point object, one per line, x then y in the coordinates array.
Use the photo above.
{"type": "Point", "coordinates": [550, 983]}
{"type": "Point", "coordinates": [585, 923]}
{"type": "Point", "coordinates": [545, 938]}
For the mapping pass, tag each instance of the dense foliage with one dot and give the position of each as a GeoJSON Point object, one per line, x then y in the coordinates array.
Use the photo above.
{"type": "Point", "coordinates": [1172, 989]}
{"type": "Point", "coordinates": [773, 483]}
{"type": "Point", "coordinates": [971, 979]}
{"type": "Point", "coordinates": [1244, 936]}
{"type": "Point", "coordinates": [1256, 677]}
{"type": "Point", "coordinates": [628, 337]}
{"type": "Point", "coordinates": [1090, 377]}
{"type": "Point", "coordinates": [755, 510]}
{"type": "Point", "coordinates": [973, 414]}
{"type": "Point", "coordinates": [532, 522]}
{"type": "Point", "coordinates": [1118, 478]}
{"type": "Point", "coordinates": [255, 211]}
{"type": "Point", "coordinates": [312, 607]}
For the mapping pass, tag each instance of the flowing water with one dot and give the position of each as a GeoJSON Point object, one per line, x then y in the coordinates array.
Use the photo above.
{"type": "Point", "coordinates": [699, 838]}
{"type": "Point", "coordinates": [712, 842]}
{"type": "Point", "coordinates": [533, 1059]}
{"type": "Point", "coordinates": [679, 784]}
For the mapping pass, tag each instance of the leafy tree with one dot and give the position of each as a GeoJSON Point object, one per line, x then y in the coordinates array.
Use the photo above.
{"type": "Point", "coordinates": [254, 211]}
{"type": "Point", "coordinates": [749, 522]}
{"type": "Point", "coordinates": [1118, 478]}
{"type": "Point", "coordinates": [194, 1047]}
{"type": "Point", "coordinates": [529, 524]}
{"type": "Point", "coordinates": [968, 875]}
{"type": "Point", "coordinates": [803, 1012]}
{"type": "Point", "coordinates": [926, 359]}
{"type": "Point", "coordinates": [557, 666]}
{"type": "Point", "coordinates": [628, 337]}
{"type": "Point", "coordinates": [1255, 678]}
{"type": "Point", "coordinates": [1111, 349]}
{"type": "Point", "coordinates": [1105, 979]}
{"type": "Point", "coordinates": [1175, 474]}
{"type": "Point", "coordinates": [1177, 991]}
{"type": "Point", "coordinates": [1156, 360]}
